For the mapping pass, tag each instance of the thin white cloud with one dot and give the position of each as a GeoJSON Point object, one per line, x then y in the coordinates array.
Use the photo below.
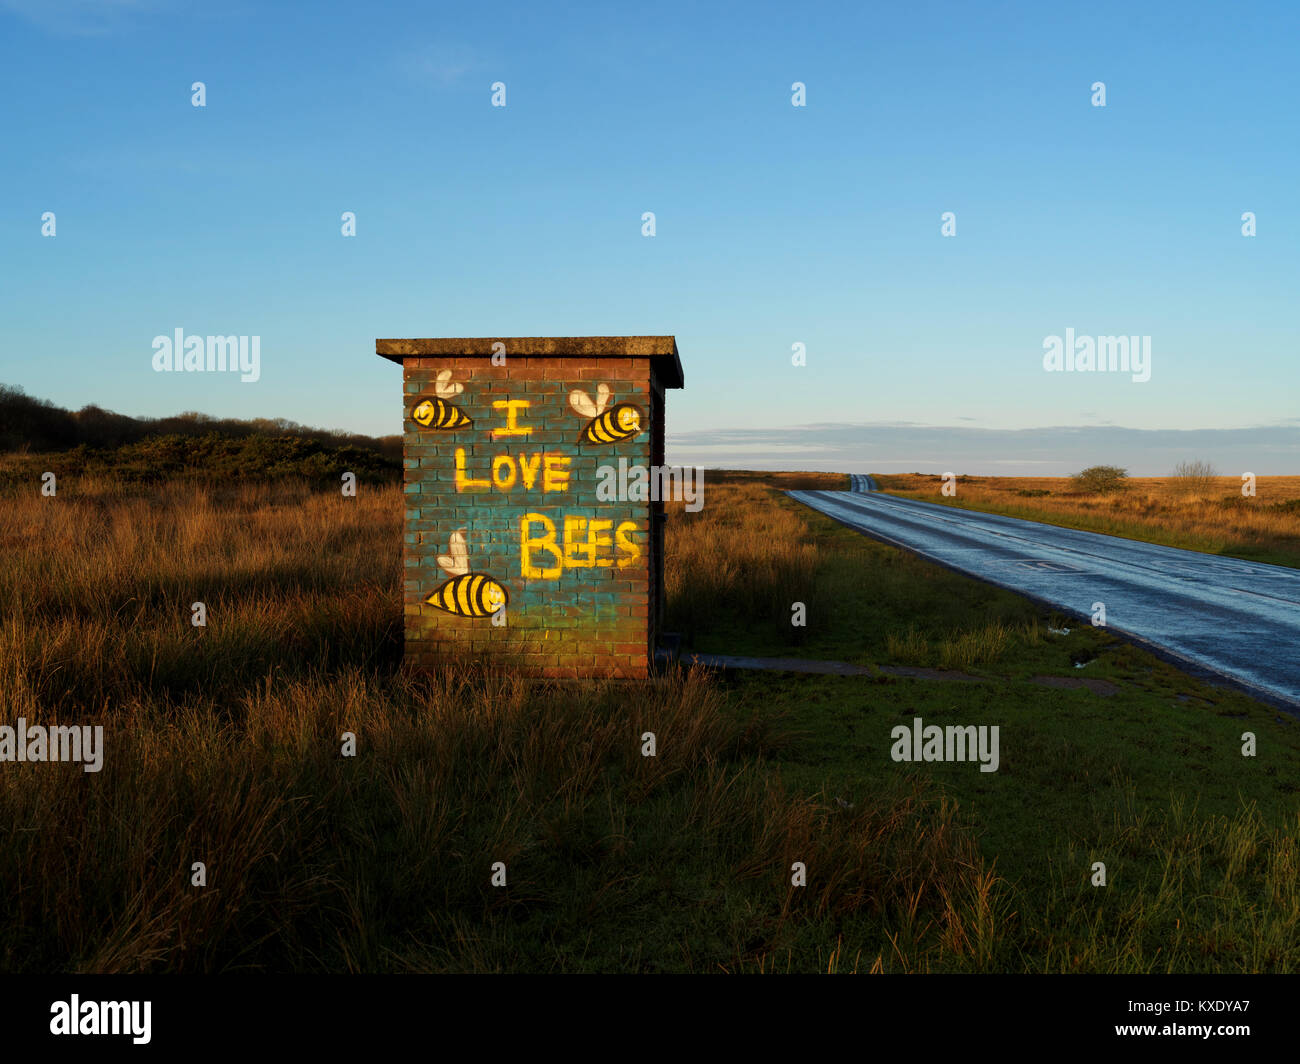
{"type": "Point", "coordinates": [751, 448]}
{"type": "Point", "coordinates": [442, 64]}
{"type": "Point", "coordinates": [1059, 450]}
{"type": "Point", "coordinates": [77, 18]}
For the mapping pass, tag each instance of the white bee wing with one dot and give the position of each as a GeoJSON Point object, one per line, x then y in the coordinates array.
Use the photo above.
{"type": "Point", "coordinates": [458, 563]}
{"type": "Point", "coordinates": [581, 402]}
{"type": "Point", "coordinates": [444, 387]}
{"type": "Point", "coordinates": [602, 399]}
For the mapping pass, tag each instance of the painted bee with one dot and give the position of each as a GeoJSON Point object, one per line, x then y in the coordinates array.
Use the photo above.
{"type": "Point", "coordinates": [438, 413]}
{"type": "Point", "coordinates": [619, 422]}
{"type": "Point", "coordinates": [466, 594]}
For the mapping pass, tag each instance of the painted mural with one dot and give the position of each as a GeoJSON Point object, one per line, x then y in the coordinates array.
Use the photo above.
{"type": "Point", "coordinates": [620, 422]}
{"type": "Point", "coordinates": [466, 594]}
{"type": "Point", "coordinates": [438, 412]}
{"type": "Point", "coordinates": [548, 545]}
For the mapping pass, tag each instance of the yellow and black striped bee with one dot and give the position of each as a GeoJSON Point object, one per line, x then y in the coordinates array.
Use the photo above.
{"type": "Point", "coordinates": [620, 422]}
{"type": "Point", "coordinates": [437, 413]}
{"type": "Point", "coordinates": [470, 595]}
{"type": "Point", "coordinates": [466, 594]}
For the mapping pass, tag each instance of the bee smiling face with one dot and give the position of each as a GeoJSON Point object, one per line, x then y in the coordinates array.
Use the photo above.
{"type": "Point", "coordinates": [439, 414]}
{"type": "Point", "coordinates": [494, 597]}
{"type": "Point", "coordinates": [621, 422]}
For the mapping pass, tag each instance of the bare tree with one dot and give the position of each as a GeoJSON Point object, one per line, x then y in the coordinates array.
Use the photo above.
{"type": "Point", "coordinates": [1195, 478]}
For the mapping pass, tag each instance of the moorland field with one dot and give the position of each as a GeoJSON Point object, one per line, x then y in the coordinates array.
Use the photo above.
{"type": "Point", "coordinates": [223, 745]}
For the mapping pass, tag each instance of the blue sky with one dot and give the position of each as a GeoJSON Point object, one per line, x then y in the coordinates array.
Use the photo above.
{"type": "Point", "coordinates": [774, 224]}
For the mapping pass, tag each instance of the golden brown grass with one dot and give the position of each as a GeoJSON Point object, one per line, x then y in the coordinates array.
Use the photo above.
{"type": "Point", "coordinates": [1170, 510]}
{"type": "Point", "coordinates": [736, 568]}
{"type": "Point", "coordinates": [740, 548]}
{"type": "Point", "coordinates": [222, 745]}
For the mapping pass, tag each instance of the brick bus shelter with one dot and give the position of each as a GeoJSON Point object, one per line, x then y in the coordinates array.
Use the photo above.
{"type": "Point", "coordinates": [524, 548]}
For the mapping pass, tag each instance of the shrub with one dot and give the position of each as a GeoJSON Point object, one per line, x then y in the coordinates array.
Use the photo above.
{"type": "Point", "coordinates": [1101, 479]}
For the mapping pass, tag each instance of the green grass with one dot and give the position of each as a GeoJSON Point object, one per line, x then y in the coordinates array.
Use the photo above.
{"type": "Point", "coordinates": [1199, 842]}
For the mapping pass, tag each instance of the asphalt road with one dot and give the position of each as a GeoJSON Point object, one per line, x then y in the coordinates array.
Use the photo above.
{"type": "Point", "coordinates": [1225, 617]}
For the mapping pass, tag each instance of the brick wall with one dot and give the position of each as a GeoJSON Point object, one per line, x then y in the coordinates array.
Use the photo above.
{"type": "Point", "coordinates": [578, 604]}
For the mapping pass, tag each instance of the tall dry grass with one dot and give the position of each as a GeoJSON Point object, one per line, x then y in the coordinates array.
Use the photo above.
{"type": "Point", "coordinates": [736, 569]}
{"type": "Point", "coordinates": [223, 746]}
{"type": "Point", "coordinates": [740, 554]}
{"type": "Point", "coordinates": [100, 585]}
{"type": "Point", "coordinates": [1200, 512]}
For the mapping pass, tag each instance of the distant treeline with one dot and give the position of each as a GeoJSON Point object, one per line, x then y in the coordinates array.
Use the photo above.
{"type": "Point", "coordinates": [94, 440]}
{"type": "Point", "coordinates": [31, 424]}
